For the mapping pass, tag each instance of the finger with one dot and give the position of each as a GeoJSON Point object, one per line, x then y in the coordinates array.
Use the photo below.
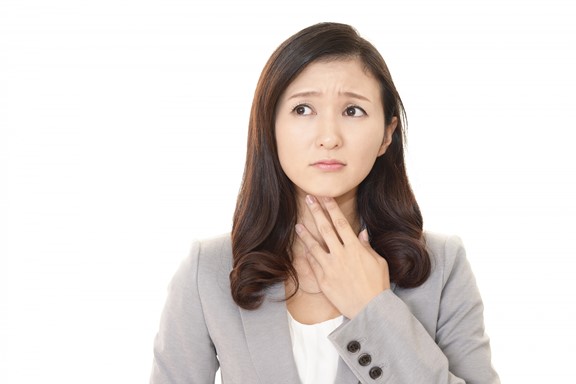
{"type": "Point", "coordinates": [323, 224]}
{"type": "Point", "coordinates": [341, 224]}
{"type": "Point", "coordinates": [316, 267]}
{"type": "Point", "coordinates": [313, 248]}
{"type": "Point", "coordinates": [365, 241]}
{"type": "Point", "coordinates": [363, 237]}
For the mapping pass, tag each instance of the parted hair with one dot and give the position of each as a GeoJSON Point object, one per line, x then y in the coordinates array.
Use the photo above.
{"type": "Point", "coordinates": [266, 209]}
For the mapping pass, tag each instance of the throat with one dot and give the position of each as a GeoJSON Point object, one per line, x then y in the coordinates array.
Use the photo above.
{"type": "Point", "coordinates": [308, 308]}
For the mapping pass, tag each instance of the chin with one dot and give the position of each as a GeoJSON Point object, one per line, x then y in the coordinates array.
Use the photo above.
{"type": "Point", "coordinates": [330, 192]}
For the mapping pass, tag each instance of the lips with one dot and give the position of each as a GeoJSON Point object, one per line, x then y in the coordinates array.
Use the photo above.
{"type": "Point", "coordinates": [329, 165]}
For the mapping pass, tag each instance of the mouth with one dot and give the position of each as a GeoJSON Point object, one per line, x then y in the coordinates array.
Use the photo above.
{"type": "Point", "coordinates": [328, 165]}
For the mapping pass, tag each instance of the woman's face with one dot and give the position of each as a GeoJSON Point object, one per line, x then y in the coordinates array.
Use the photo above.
{"type": "Point", "coordinates": [330, 128]}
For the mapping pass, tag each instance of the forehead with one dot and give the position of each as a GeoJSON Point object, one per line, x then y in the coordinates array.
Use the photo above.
{"type": "Point", "coordinates": [335, 75]}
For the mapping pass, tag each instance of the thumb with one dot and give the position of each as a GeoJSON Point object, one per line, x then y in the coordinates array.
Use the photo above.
{"type": "Point", "coordinates": [365, 241]}
{"type": "Point", "coordinates": [363, 237]}
{"type": "Point", "coordinates": [314, 265]}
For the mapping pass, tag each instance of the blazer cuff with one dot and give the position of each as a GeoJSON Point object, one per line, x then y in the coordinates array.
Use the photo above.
{"type": "Point", "coordinates": [386, 343]}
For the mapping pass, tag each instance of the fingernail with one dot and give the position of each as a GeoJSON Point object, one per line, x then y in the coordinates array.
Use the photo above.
{"type": "Point", "coordinates": [298, 228]}
{"type": "Point", "coordinates": [310, 199]}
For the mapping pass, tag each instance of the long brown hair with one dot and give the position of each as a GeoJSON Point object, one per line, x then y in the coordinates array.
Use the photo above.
{"type": "Point", "coordinates": [265, 216]}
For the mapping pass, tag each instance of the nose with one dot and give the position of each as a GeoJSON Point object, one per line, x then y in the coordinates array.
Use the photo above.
{"type": "Point", "coordinates": [329, 136]}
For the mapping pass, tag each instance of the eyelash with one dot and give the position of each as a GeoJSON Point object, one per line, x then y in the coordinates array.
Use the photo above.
{"type": "Point", "coordinates": [302, 105]}
{"type": "Point", "coordinates": [357, 107]}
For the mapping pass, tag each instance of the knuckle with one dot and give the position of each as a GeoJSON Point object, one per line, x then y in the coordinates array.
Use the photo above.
{"type": "Point", "coordinates": [340, 222]}
{"type": "Point", "coordinates": [314, 248]}
{"type": "Point", "coordinates": [316, 208]}
{"type": "Point", "coordinates": [324, 229]}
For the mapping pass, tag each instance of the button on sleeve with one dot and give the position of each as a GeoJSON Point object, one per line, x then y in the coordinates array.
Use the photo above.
{"type": "Point", "coordinates": [364, 359]}
{"type": "Point", "coordinates": [375, 372]}
{"type": "Point", "coordinates": [353, 346]}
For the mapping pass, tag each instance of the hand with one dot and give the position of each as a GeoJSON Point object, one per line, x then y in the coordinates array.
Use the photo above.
{"type": "Point", "coordinates": [351, 273]}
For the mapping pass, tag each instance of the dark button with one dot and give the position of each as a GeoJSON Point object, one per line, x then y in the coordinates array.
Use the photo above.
{"type": "Point", "coordinates": [375, 372]}
{"type": "Point", "coordinates": [353, 346]}
{"type": "Point", "coordinates": [364, 359]}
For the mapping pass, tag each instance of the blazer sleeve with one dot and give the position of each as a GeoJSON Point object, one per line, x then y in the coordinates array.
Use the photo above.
{"type": "Point", "coordinates": [386, 343]}
{"type": "Point", "coordinates": [183, 350]}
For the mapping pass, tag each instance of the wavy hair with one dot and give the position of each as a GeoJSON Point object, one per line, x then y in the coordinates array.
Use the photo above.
{"type": "Point", "coordinates": [266, 209]}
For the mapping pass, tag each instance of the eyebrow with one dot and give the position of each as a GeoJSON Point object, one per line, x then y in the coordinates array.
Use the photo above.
{"type": "Point", "coordinates": [316, 93]}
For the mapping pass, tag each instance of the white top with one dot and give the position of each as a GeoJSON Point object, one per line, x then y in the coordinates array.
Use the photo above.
{"type": "Point", "coordinates": [315, 356]}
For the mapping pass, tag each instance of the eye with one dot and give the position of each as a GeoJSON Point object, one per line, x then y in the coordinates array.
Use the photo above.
{"type": "Point", "coordinates": [302, 110]}
{"type": "Point", "coordinates": [354, 111]}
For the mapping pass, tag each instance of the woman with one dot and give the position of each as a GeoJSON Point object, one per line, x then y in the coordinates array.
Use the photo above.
{"type": "Point", "coordinates": [327, 276]}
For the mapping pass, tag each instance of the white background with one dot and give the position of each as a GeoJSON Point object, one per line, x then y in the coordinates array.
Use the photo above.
{"type": "Point", "coordinates": [122, 139]}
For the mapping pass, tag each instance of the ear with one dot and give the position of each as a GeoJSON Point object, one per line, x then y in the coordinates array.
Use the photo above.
{"type": "Point", "coordinates": [388, 132]}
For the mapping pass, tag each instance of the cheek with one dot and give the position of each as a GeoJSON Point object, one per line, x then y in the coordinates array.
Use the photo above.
{"type": "Point", "coordinates": [368, 147]}
{"type": "Point", "coordinates": [292, 141]}
{"type": "Point", "coordinates": [284, 145]}
{"type": "Point", "coordinates": [365, 157]}
{"type": "Point", "coordinates": [289, 149]}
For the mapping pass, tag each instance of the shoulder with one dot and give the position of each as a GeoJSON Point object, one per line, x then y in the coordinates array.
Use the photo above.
{"type": "Point", "coordinates": [442, 244]}
{"type": "Point", "coordinates": [209, 262]}
{"type": "Point", "coordinates": [213, 255]}
{"type": "Point", "coordinates": [445, 251]}
{"type": "Point", "coordinates": [211, 251]}
{"type": "Point", "coordinates": [451, 276]}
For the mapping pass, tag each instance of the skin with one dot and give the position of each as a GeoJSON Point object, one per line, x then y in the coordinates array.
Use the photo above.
{"type": "Point", "coordinates": [330, 128]}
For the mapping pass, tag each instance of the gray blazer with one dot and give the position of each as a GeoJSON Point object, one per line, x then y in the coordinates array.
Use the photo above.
{"type": "Point", "coordinates": [430, 334]}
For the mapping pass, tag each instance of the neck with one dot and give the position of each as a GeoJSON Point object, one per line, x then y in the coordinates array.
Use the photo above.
{"type": "Point", "coordinates": [347, 204]}
{"type": "Point", "coordinates": [306, 278]}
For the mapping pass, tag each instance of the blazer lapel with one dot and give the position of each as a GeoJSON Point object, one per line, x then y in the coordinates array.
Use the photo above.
{"type": "Point", "coordinates": [270, 345]}
{"type": "Point", "coordinates": [268, 339]}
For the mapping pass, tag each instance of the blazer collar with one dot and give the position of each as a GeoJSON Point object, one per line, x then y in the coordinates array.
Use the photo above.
{"type": "Point", "coordinates": [268, 339]}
